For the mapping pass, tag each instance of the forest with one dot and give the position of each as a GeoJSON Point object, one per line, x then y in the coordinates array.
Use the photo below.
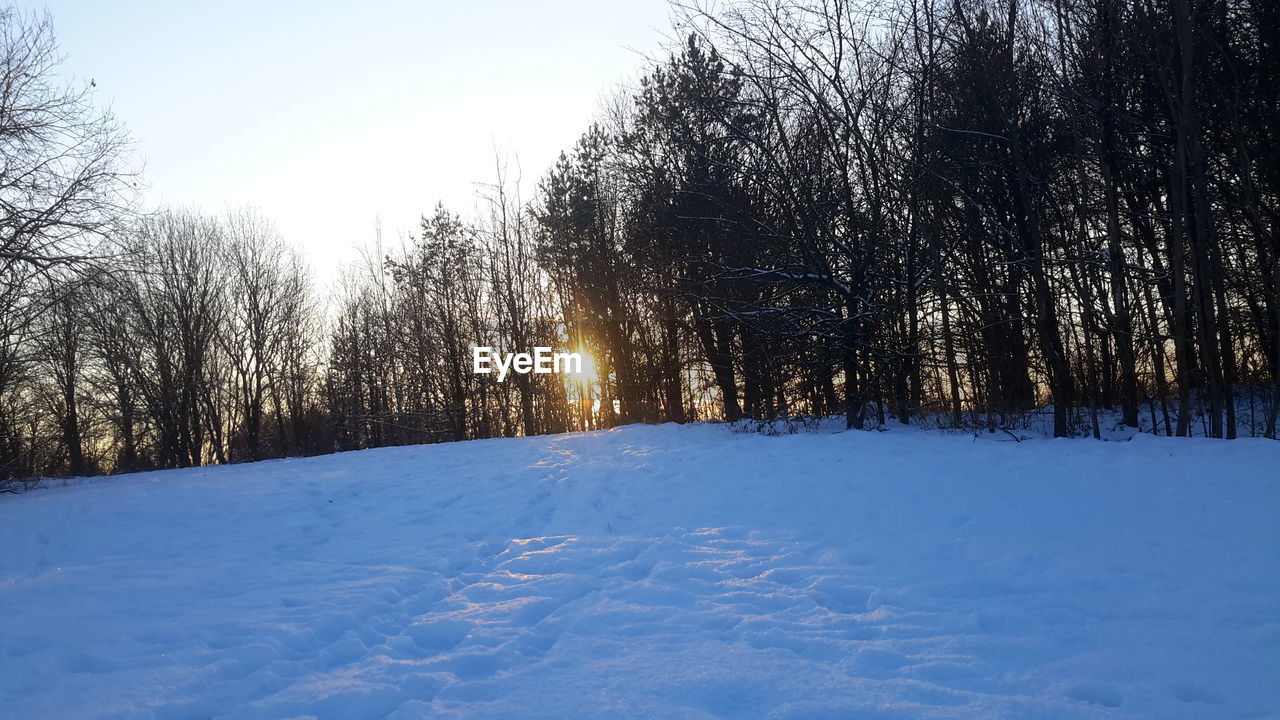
{"type": "Point", "coordinates": [952, 213]}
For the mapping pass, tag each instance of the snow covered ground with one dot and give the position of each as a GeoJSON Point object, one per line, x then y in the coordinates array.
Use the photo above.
{"type": "Point", "coordinates": [658, 572]}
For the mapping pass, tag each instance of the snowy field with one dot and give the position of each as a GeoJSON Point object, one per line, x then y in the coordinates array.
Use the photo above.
{"type": "Point", "coordinates": [658, 572]}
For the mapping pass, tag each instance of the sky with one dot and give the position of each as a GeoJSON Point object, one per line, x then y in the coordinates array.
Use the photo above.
{"type": "Point", "coordinates": [332, 116]}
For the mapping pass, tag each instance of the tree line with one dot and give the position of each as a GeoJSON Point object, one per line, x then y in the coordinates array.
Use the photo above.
{"type": "Point", "coordinates": [950, 212]}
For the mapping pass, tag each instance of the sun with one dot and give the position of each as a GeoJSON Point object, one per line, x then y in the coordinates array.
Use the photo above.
{"type": "Point", "coordinates": [588, 373]}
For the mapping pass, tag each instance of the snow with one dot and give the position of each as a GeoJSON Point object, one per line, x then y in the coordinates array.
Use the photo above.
{"type": "Point", "coordinates": [658, 572]}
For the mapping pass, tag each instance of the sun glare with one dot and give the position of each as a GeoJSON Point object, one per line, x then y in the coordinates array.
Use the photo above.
{"type": "Point", "coordinates": [587, 375]}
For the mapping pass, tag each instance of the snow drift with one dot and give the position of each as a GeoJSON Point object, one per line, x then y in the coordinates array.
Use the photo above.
{"type": "Point", "coordinates": [658, 572]}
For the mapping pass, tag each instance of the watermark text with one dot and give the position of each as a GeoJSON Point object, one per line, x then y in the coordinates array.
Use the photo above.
{"type": "Point", "coordinates": [542, 361]}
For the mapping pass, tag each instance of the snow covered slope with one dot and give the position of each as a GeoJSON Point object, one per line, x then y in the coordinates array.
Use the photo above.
{"type": "Point", "coordinates": [658, 572]}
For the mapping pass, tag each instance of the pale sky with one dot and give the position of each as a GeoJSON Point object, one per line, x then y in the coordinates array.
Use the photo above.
{"type": "Point", "coordinates": [329, 115]}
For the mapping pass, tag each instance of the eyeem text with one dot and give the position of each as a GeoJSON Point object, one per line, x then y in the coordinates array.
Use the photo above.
{"type": "Point", "coordinates": [485, 360]}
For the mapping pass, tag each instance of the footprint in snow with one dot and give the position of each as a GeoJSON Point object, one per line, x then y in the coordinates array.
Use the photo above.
{"type": "Point", "coordinates": [1097, 694]}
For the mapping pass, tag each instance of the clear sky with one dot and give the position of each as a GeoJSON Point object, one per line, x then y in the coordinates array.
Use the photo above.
{"type": "Point", "coordinates": [330, 115]}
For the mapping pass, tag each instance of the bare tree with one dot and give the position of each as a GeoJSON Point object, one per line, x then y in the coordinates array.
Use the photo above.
{"type": "Point", "coordinates": [64, 186]}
